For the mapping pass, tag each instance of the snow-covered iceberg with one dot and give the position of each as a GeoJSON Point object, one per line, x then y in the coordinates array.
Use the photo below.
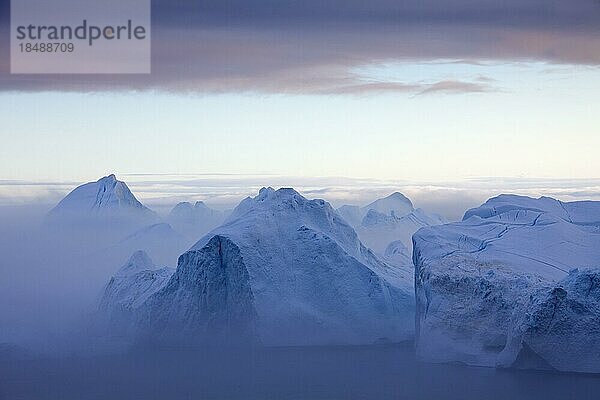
{"type": "Point", "coordinates": [516, 283]}
{"type": "Point", "coordinates": [287, 271]}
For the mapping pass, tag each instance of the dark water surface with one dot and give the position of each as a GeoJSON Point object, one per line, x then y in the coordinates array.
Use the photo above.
{"type": "Point", "coordinates": [364, 372]}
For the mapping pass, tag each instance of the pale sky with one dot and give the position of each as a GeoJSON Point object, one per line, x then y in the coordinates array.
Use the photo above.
{"type": "Point", "coordinates": [529, 120]}
{"type": "Point", "coordinates": [418, 90]}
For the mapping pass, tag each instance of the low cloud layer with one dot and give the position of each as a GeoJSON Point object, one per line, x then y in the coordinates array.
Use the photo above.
{"type": "Point", "coordinates": [451, 199]}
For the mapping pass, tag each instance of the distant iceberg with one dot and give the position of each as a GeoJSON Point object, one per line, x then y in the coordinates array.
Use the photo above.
{"type": "Point", "coordinates": [387, 225]}
{"type": "Point", "coordinates": [107, 202]}
{"type": "Point", "coordinates": [194, 220]}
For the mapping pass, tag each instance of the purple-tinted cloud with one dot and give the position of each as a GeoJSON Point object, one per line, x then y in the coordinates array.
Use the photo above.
{"type": "Point", "coordinates": [311, 47]}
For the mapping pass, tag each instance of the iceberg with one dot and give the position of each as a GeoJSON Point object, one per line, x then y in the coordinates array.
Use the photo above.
{"type": "Point", "coordinates": [194, 220]}
{"type": "Point", "coordinates": [387, 223]}
{"type": "Point", "coordinates": [107, 202]}
{"type": "Point", "coordinates": [515, 283]}
{"type": "Point", "coordinates": [281, 270]}
{"type": "Point", "coordinates": [131, 285]}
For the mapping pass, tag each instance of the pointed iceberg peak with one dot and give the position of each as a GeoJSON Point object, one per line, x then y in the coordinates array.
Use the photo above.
{"type": "Point", "coordinates": [106, 198]}
{"type": "Point", "coordinates": [108, 178]}
{"type": "Point", "coordinates": [113, 192]}
{"type": "Point", "coordinates": [139, 261]}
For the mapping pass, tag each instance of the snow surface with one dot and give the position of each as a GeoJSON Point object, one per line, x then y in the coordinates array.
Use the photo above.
{"type": "Point", "coordinates": [295, 263]}
{"type": "Point", "coordinates": [515, 281]}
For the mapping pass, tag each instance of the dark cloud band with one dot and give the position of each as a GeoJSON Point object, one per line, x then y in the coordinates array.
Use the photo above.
{"type": "Point", "coordinates": [312, 47]}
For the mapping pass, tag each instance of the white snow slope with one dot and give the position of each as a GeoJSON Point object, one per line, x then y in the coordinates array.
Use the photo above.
{"type": "Point", "coordinates": [516, 283]}
{"type": "Point", "coordinates": [293, 265]}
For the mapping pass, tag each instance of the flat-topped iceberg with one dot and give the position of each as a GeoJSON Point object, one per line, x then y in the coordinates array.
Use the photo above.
{"type": "Point", "coordinates": [516, 283]}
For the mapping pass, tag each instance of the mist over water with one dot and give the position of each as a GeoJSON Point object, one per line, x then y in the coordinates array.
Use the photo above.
{"type": "Point", "coordinates": [50, 279]}
{"type": "Point", "coordinates": [357, 372]}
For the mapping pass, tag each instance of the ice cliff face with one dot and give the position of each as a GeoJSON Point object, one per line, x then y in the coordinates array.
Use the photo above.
{"type": "Point", "coordinates": [289, 270]}
{"type": "Point", "coordinates": [107, 200]}
{"type": "Point", "coordinates": [514, 283]}
{"type": "Point", "coordinates": [563, 323]}
{"type": "Point", "coordinates": [387, 222]}
{"type": "Point", "coordinates": [133, 283]}
{"type": "Point", "coordinates": [208, 299]}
